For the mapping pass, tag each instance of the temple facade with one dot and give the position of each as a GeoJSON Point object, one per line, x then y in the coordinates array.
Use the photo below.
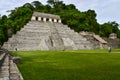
{"type": "Point", "coordinates": [45, 17]}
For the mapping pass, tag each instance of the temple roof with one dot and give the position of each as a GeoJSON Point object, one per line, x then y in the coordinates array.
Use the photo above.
{"type": "Point", "coordinates": [38, 14]}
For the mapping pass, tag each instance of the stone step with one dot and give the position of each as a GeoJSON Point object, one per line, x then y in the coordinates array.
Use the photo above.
{"type": "Point", "coordinates": [5, 78]}
{"type": "Point", "coordinates": [27, 39]}
{"type": "Point", "coordinates": [36, 22]}
{"type": "Point", "coordinates": [35, 30]}
{"type": "Point", "coordinates": [38, 37]}
{"type": "Point", "coordinates": [28, 42]}
{"type": "Point", "coordinates": [64, 36]}
{"type": "Point", "coordinates": [14, 72]}
{"type": "Point", "coordinates": [65, 30]}
{"type": "Point", "coordinates": [61, 26]}
{"type": "Point", "coordinates": [2, 55]}
{"type": "Point", "coordinates": [70, 31]}
{"type": "Point", "coordinates": [4, 72]}
{"type": "Point", "coordinates": [30, 47]}
{"type": "Point", "coordinates": [13, 47]}
{"type": "Point", "coordinates": [78, 38]}
{"type": "Point", "coordinates": [33, 34]}
{"type": "Point", "coordinates": [35, 27]}
{"type": "Point", "coordinates": [76, 35]}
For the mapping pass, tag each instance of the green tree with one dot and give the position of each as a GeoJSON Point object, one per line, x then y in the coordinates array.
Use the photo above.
{"type": "Point", "coordinates": [2, 36]}
{"type": "Point", "coordinates": [37, 5]}
{"type": "Point", "coordinates": [105, 30]}
{"type": "Point", "coordinates": [28, 5]}
{"type": "Point", "coordinates": [70, 7]}
{"type": "Point", "coordinates": [51, 2]}
{"type": "Point", "coordinates": [21, 16]}
{"type": "Point", "coordinates": [110, 27]}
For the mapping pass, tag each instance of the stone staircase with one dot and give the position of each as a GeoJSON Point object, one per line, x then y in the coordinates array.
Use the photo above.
{"type": "Point", "coordinates": [8, 69]}
{"type": "Point", "coordinates": [38, 35]}
{"type": "Point", "coordinates": [73, 39]}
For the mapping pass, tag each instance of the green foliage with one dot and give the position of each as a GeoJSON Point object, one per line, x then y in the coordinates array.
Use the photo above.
{"type": "Point", "coordinates": [3, 29]}
{"type": "Point", "coordinates": [80, 21]}
{"type": "Point", "coordinates": [37, 5]}
{"type": "Point", "coordinates": [20, 16]}
{"type": "Point", "coordinates": [51, 2]}
{"type": "Point", "coordinates": [28, 5]}
{"type": "Point", "coordinates": [70, 65]}
{"type": "Point", "coordinates": [15, 21]}
{"type": "Point", "coordinates": [70, 15]}
{"type": "Point", "coordinates": [2, 35]}
{"type": "Point", "coordinates": [110, 27]}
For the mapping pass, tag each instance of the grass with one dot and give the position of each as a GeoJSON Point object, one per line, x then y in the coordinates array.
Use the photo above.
{"type": "Point", "coordinates": [70, 65]}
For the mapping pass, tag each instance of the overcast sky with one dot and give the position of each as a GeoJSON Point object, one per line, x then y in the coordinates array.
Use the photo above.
{"type": "Point", "coordinates": [107, 10]}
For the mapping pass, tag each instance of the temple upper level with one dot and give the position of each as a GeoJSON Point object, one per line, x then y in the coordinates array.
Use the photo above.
{"type": "Point", "coordinates": [37, 16]}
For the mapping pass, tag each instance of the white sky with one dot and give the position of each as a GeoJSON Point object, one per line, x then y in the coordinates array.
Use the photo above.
{"type": "Point", "coordinates": [107, 10]}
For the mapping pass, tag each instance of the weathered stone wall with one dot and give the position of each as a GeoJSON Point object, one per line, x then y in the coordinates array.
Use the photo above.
{"type": "Point", "coordinates": [97, 41]}
{"type": "Point", "coordinates": [8, 69]}
{"type": "Point", "coordinates": [93, 41]}
{"type": "Point", "coordinates": [114, 43]}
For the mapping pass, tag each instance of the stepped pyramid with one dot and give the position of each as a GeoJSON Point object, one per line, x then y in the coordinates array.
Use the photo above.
{"type": "Point", "coordinates": [46, 32]}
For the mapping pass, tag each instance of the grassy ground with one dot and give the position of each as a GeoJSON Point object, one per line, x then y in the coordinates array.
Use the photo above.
{"type": "Point", "coordinates": [70, 65]}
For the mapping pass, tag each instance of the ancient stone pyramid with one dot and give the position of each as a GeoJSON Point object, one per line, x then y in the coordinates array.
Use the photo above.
{"type": "Point", "coordinates": [46, 32]}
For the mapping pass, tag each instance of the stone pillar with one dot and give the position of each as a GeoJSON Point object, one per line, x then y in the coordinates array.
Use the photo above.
{"type": "Point", "coordinates": [33, 18]}
{"type": "Point", "coordinates": [55, 20]}
{"type": "Point", "coordinates": [50, 20]}
{"type": "Point", "coordinates": [59, 21]}
{"type": "Point", "coordinates": [44, 19]}
{"type": "Point", "coordinates": [39, 19]}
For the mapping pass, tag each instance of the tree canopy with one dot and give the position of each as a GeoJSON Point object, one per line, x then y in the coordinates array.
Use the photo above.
{"type": "Point", "coordinates": [70, 15]}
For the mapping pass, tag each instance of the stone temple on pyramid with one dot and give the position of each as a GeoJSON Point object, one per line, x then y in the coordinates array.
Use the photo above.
{"type": "Point", "coordinates": [46, 32]}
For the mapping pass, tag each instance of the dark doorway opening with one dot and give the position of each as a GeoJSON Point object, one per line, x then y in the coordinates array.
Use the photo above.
{"type": "Point", "coordinates": [47, 19]}
{"type": "Point", "coordinates": [36, 18]}
{"type": "Point", "coordinates": [41, 19]}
